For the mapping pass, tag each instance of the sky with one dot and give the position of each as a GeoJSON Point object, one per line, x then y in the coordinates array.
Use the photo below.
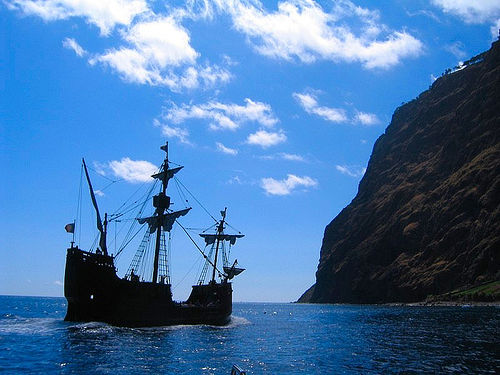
{"type": "Point", "coordinates": [272, 107]}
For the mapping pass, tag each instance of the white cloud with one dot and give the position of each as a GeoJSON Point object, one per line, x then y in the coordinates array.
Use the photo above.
{"type": "Point", "coordinates": [163, 41]}
{"type": "Point", "coordinates": [72, 44]}
{"type": "Point", "coordinates": [478, 11]}
{"type": "Point", "coordinates": [58, 283]}
{"type": "Point", "coordinates": [104, 14]}
{"type": "Point", "coordinates": [224, 116]}
{"type": "Point", "coordinates": [291, 157]}
{"type": "Point", "coordinates": [284, 156]}
{"type": "Point", "coordinates": [226, 150]}
{"type": "Point", "coordinates": [99, 193]}
{"type": "Point", "coordinates": [133, 170]}
{"type": "Point", "coordinates": [159, 53]}
{"type": "Point", "coordinates": [157, 49]}
{"type": "Point", "coordinates": [100, 168]}
{"type": "Point", "coordinates": [310, 105]}
{"type": "Point", "coordinates": [301, 29]}
{"type": "Point", "coordinates": [495, 29]}
{"type": "Point", "coordinates": [350, 170]}
{"type": "Point", "coordinates": [423, 12]}
{"type": "Point", "coordinates": [266, 139]}
{"type": "Point", "coordinates": [235, 180]}
{"type": "Point", "coordinates": [173, 132]}
{"type": "Point", "coordinates": [286, 186]}
{"type": "Point", "coordinates": [457, 49]}
{"type": "Point", "coordinates": [366, 118]}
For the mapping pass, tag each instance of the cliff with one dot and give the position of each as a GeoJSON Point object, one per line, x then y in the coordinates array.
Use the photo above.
{"type": "Point", "coordinates": [426, 219]}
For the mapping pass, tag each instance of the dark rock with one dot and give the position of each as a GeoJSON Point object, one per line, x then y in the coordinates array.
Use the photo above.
{"type": "Point", "coordinates": [425, 220]}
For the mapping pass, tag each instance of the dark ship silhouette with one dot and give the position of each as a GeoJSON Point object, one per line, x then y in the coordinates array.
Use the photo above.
{"type": "Point", "coordinates": [95, 293]}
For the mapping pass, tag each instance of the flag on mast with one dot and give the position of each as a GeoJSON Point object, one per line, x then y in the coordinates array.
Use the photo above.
{"type": "Point", "coordinates": [70, 228]}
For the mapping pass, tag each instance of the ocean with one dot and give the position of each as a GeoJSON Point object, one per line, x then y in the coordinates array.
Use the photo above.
{"type": "Point", "coordinates": [263, 338]}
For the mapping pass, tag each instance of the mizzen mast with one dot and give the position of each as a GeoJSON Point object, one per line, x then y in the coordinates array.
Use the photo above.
{"type": "Point", "coordinates": [220, 231]}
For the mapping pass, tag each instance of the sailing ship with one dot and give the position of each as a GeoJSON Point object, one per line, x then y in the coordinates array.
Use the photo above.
{"type": "Point", "coordinates": [95, 292]}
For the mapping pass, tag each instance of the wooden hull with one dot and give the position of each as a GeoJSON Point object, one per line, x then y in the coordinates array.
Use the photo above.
{"type": "Point", "coordinates": [95, 293]}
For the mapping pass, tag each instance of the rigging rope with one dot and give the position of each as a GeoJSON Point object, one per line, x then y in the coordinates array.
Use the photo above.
{"type": "Point", "coordinates": [134, 193]}
{"type": "Point", "coordinates": [127, 238]}
{"type": "Point", "coordinates": [184, 277]}
{"type": "Point", "coordinates": [197, 201]}
{"type": "Point", "coordinates": [79, 207]}
{"type": "Point", "coordinates": [201, 251]}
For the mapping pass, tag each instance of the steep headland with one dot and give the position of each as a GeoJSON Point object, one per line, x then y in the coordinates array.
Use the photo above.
{"type": "Point", "coordinates": [426, 219]}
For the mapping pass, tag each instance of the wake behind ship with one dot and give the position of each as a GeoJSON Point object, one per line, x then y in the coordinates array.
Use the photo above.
{"type": "Point", "coordinates": [95, 292]}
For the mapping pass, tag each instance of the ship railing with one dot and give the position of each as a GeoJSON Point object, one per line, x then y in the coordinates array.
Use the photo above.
{"type": "Point", "coordinates": [100, 259]}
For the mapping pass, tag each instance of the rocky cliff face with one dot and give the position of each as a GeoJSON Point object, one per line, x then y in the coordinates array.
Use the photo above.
{"type": "Point", "coordinates": [426, 219]}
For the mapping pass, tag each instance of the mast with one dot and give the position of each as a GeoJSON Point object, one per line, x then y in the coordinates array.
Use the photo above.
{"type": "Point", "coordinates": [161, 219]}
{"type": "Point", "coordinates": [220, 230]}
{"type": "Point", "coordinates": [161, 202]}
{"type": "Point", "coordinates": [102, 230]}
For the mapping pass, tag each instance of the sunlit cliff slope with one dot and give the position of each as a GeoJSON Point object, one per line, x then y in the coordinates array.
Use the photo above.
{"type": "Point", "coordinates": [426, 219]}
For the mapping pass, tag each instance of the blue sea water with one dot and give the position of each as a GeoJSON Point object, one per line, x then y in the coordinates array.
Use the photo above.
{"type": "Point", "coordinates": [261, 339]}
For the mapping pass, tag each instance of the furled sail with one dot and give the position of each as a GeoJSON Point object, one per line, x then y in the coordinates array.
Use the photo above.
{"type": "Point", "coordinates": [169, 174]}
{"type": "Point", "coordinates": [211, 238]}
{"type": "Point", "coordinates": [102, 238]}
{"type": "Point", "coordinates": [233, 270]}
{"type": "Point", "coordinates": [168, 220]}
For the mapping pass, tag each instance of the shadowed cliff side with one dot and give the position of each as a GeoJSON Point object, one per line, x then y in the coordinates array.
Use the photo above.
{"type": "Point", "coordinates": [425, 220]}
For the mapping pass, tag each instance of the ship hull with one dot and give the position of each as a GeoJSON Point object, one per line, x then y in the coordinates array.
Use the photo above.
{"type": "Point", "coordinates": [95, 293]}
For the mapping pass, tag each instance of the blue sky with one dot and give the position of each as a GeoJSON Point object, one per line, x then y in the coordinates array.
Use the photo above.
{"type": "Point", "coordinates": [272, 107]}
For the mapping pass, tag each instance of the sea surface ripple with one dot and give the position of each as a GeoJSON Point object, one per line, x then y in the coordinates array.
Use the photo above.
{"type": "Point", "coordinates": [261, 339]}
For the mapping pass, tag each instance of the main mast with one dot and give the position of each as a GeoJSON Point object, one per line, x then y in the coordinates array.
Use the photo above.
{"type": "Point", "coordinates": [162, 220]}
{"type": "Point", "coordinates": [162, 203]}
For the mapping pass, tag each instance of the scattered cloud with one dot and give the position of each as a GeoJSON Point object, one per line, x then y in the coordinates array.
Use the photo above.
{"type": "Point", "coordinates": [72, 44]}
{"type": "Point", "coordinates": [226, 150]}
{"type": "Point", "coordinates": [456, 49]}
{"type": "Point", "coordinates": [100, 168]}
{"type": "Point", "coordinates": [99, 193]}
{"type": "Point", "coordinates": [310, 104]}
{"type": "Point", "coordinates": [286, 186]}
{"type": "Point", "coordinates": [158, 52]}
{"type": "Point", "coordinates": [351, 171]}
{"type": "Point", "coordinates": [301, 29]}
{"type": "Point", "coordinates": [266, 139]}
{"type": "Point", "coordinates": [133, 170]}
{"type": "Point", "coordinates": [235, 180]}
{"type": "Point", "coordinates": [284, 156]}
{"type": "Point", "coordinates": [495, 33]}
{"type": "Point", "coordinates": [424, 12]}
{"type": "Point", "coordinates": [173, 132]}
{"type": "Point", "coordinates": [291, 157]}
{"type": "Point", "coordinates": [103, 14]}
{"type": "Point", "coordinates": [223, 116]}
{"type": "Point", "coordinates": [156, 49]}
{"type": "Point", "coordinates": [471, 11]}
{"type": "Point", "coordinates": [58, 283]}
{"type": "Point", "coordinates": [366, 119]}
